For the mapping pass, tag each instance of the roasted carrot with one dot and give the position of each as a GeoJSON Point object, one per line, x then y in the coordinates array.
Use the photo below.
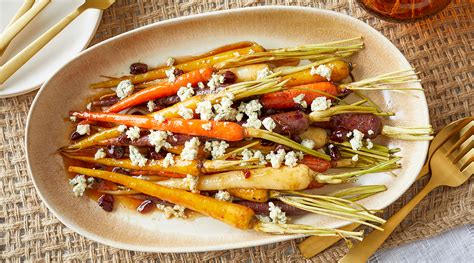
{"type": "Point", "coordinates": [223, 130]}
{"type": "Point", "coordinates": [256, 195]}
{"type": "Point", "coordinates": [229, 131]}
{"type": "Point", "coordinates": [339, 71]}
{"type": "Point", "coordinates": [162, 89]}
{"type": "Point", "coordinates": [233, 214]}
{"type": "Point", "coordinates": [186, 67]}
{"type": "Point", "coordinates": [160, 173]}
{"type": "Point", "coordinates": [94, 139]}
{"type": "Point", "coordinates": [284, 99]}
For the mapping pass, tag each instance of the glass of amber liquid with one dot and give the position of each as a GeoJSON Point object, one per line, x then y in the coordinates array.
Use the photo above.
{"type": "Point", "coordinates": [403, 10]}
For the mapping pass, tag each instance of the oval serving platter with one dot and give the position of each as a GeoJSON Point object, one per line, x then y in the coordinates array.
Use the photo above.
{"type": "Point", "coordinates": [153, 44]}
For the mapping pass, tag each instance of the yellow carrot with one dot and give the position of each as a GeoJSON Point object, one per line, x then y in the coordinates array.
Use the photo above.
{"type": "Point", "coordinates": [255, 195]}
{"type": "Point", "coordinates": [233, 214]}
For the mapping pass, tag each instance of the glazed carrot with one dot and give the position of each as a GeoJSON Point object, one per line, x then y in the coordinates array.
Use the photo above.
{"type": "Point", "coordinates": [339, 71]}
{"type": "Point", "coordinates": [229, 131]}
{"type": "Point", "coordinates": [160, 173]}
{"type": "Point", "coordinates": [233, 214]}
{"type": "Point", "coordinates": [256, 195]}
{"type": "Point", "coordinates": [180, 166]}
{"type": "Point", "coordinates": [163, 89]}
{"type": "Point", "coordinates": [223, 130]}
{"type": "Point", "coordinates": [94, 139]}
{"type": "Point", "coordinates": [186, 67]}
{"type": "Point", "coordinates": [284, 99]}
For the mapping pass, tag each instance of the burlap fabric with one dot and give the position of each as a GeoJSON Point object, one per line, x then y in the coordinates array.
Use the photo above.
{"type": "Point", "coordinates": [441, 48]}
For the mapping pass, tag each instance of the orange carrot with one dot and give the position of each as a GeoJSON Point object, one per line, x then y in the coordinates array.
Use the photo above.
{"type": "Point", "coordinates": [284, 99]}
{"type": "Point", "coordinates": [162, 89]}
{"type": "Point", "coordinates": [228, 131]}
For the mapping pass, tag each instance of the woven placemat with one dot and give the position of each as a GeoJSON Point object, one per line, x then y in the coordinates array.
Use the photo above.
{"type": "Point", "coordinates": [441, 48]}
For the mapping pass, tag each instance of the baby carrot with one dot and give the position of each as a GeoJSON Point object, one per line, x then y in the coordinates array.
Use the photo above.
{"type": "Point", "coordinates": [162, 89]}
{"type": "Point", "coordinates": [339, 71]}
{"type": "Point", "coordinates": [228, 131]}
{"type": "Point", "coordinates": [186, 67]}
{"type": "Point", "coordinates": [233, 214]}
{"type": "Point", "coordinates": [284, 99]}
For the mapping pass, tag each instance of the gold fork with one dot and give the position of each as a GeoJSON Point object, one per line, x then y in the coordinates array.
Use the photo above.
{"type": "Point", "coordinates": [12, 65]}
{"type": "Point", "coordinates": [451, 165]}
{"type": "Point", "coordinates": [314, 245]}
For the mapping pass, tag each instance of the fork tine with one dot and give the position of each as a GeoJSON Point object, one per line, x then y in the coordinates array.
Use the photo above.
{"type": "Point", "coordinates": [461, 140]}
{"type": "Point", "coordinates": [464, 151]}
{"type": "Point", "coordinates": [467, 163]}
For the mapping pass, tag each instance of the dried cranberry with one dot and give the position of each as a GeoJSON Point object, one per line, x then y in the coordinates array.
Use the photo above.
{"type": "Point", "coordinates": [119, 170]}
{"type": "Point", "coordinates": [229, 77]}
{"type": "Point", "coordinates": [178, 72]}
{"type": "Point", "coordinates": [106, 201]}
{"type": "Point", "coordinates": [144, 205]}
{"type": "Point", "coordinates": [108, 101]}
{"type": "Point", "coordinates": [155, 155]}
{"type": "Point", "coordinates": [75, 136]}
{"type": "Point", "coordinates": [339, 135]}
{"type": "Point", "coordinates": [99, 167]}
{"type": "Point", "coordinates": [138, 68]}
{"type": "Point", "coordinates": [334, 152]}
{"type": "Point", "coordinates": [247, 174]}
{"type": "Point", "coordinates": [115, 151]}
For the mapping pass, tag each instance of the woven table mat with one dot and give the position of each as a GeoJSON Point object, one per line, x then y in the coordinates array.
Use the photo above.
{"type": "Point", "coordinates": [441, 48]}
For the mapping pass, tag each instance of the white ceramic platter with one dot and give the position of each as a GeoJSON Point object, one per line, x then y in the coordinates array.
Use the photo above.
{"type": "Point", "coordinates": [72, 40]}
{"type": "Point", "coordinates": [271, 27]}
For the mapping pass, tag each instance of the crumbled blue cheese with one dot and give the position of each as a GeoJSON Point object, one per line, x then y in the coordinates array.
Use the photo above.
{"type": "Point", "coordinates": [300, 100]}
{"type": "Point", "coordinates": [308, 143]}
{"type": "Point", "coordinates": [83, 129]}
{"type": "Point", "coordinates": [355, 158]}
{"type": "Point", "coordinates": [253, 122]}
{"type": "Point", "coordinates": [260, 156]}
{"type": "Point", "coordinates": [207, 126]}
{"type": "Point", "coordinates": [89, 106]}
{"type": "Point", "coordinates": [204, 108]}
{"type": "Point", "coordinates": [185, 93]}
{"type": "Point", "coordinates": [175, 211]}
{"type": "Point", "coordinates": [249, 154]}
{"type": "Point", "coordinates": [186, 113]}
{"type": "Point", "coordinates": [133, 133]}
{"type": "Point", "coordinates": [170, 61]}
{"type": "Point", "coordinates": [158, 139]}
{"type": "Point", "coordinates": [356, 141]}
{"type": "Point", "coordinates": [192, 182]}
{"type": "Point", "coordinates": [201, 85]}
{"type": "Point", "coordinates": [291, 159]}
{"type": "Point", "coordinates": [168, 160]}
{"type": "Point", "coordinates": [151, 105]}
{"type": "Point", "coordinates": [370, 132]}
{"type": "Point", "coordinates": [320, 104]}
{"type": "Point", "coordinates": [190, 150]}
{"type": "Point", "coordinates": [136, 157]}
{"type": "Point", "coordinates": [224, 110]}
{"type": "Point", "coordinates": [349, 134]}
{"type": "Point", "coordinates": [269, 124]}
{"type": "Point", "coordinates": [159, 118]}
{"type": "Point", "coordinates": [73, 118]}
{"type": "Point", "coordinates": [323, 71]}
{"type": "Point", "coordinates": [370, 144]}
{"type": "Point", "coordinates": [80, 184]}
{"type": "Point", "coordinates": [100, 154]}
{"type": "Point", "coordinates": [170, 74]}
{"type": "Point", "coordinates": [122, 128]}
{"type": "Point", "coordinates": [276, 215]}
{"type": "Point", "coordinates": [216, 148]}
{"type": "Point", "coordinates": [124, 89]}
{"type": "Point", "coordinates": [215, 81]}
{"type": "Point", "coordinates": [223, 196]}
{"type": "Point", "coordinates": [250, 109]}
{"type": "Point", "coordinates": [263, 73]}
{"type": "Point", "coordinates": [276, 158]}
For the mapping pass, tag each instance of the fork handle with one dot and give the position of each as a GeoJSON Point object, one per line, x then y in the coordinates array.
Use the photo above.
{"type": "Point", "coordinates": [363, 250]}
{"type": "Point", "coordinates": [12, 65]}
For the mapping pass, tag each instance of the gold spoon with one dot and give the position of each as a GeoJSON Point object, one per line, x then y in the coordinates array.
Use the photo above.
{"type": "Point", "coordinates": [314, 245]}
{"type": "Point", "coordinates": [451, 165]}
{"type": "Point", "coordinates": [12, 65]}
